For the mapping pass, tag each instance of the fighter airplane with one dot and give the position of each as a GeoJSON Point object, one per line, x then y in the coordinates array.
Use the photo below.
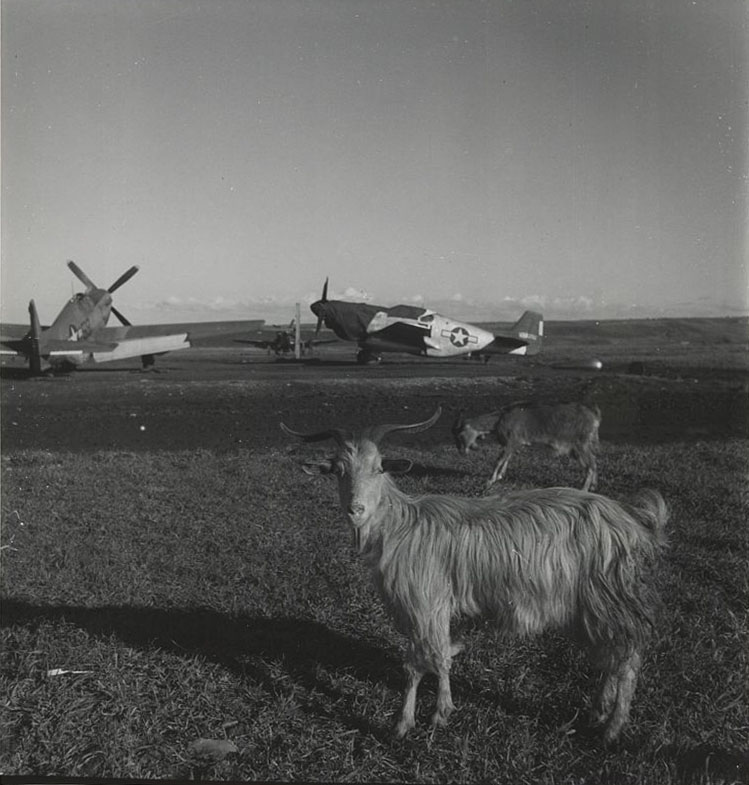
{"type": "Point", "coordinates": [79, 333]}
{"type": "Point", "coordinates": [282, 341]}
{"type": "Point", "coordinates": [420, 331]}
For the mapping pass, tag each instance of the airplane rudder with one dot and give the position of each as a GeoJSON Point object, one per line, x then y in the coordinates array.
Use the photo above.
{"type": "Point", "coordinates": [35, 324]}
{"type": "Point", "coordinates": [530, 328]}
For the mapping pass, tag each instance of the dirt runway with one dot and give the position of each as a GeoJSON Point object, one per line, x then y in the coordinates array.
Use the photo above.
{"type": "Point", "coordinates": [223, 400]}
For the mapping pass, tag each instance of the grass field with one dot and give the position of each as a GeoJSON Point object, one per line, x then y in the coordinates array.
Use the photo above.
{"type": "Point", "coordinates": [217, 596]}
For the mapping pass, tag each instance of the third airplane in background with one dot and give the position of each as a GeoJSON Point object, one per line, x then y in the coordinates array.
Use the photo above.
{"type": "Point", "coordinates": [415, 330]}
{"type": "Point", "coordinates": [282, 341]}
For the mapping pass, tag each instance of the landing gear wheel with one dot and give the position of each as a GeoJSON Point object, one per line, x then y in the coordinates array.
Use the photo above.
{"type": "Point", "coordinates": [364, 357]}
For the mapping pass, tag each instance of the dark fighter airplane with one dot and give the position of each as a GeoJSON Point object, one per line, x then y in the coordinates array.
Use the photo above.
{"type": "Point", "coordinates": [281, 342]}
{"type": "Point", "coordinates": [79, 333]}
{"type": "Point", "coordinates": [414, 330]}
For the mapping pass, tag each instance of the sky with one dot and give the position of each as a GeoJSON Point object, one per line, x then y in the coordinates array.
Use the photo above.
{"type": "Point", "coordinates": [585, 157]}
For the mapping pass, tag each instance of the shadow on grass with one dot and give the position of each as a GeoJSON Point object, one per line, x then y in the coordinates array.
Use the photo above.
{"type": "Point", "coordinates": [419, 470]}
{"type": "Point", "coordinates": [705, 763]}
{"type": "Point", "coordinates": [285, 654]}
{"type": "Point", "coordinates": [309, 653]}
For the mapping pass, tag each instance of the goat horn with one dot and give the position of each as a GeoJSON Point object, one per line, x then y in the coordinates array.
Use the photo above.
{"type": "Point", "coordinates": [317, 436]}
{"type": "Point", "coordinates": [377, 432]}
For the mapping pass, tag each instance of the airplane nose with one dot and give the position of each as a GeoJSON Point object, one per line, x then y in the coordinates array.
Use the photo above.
{"type": "Point", "coordinates": [316, 308]}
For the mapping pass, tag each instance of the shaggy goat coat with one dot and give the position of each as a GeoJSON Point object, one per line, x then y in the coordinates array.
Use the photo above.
{"type": "Point", "coordinates": [526, 560]}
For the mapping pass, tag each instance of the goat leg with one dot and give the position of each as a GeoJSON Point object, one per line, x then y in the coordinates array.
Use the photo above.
{"type": "Point", "coordinates": [407, 718]}
{"type": "Point", "coordinates": [625, 690]}
{"type": "Point", "coordinates": [500, 468]}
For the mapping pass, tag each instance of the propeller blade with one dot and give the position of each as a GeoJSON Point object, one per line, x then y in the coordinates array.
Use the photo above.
{"type": "Point", "coordinates": [35, 358]}
{"type": "Point", "coordinates": [323, 299]}
{"type": "Point", "coordinates": [80, 275]}
{"type": "Point", "coordinates": [122, 319]}
{"type": "Point", "coordinates": [124, 278]}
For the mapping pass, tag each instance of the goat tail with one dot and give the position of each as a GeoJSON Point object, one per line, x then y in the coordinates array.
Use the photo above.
{"type": "Point", "coordinates": [649, 508]}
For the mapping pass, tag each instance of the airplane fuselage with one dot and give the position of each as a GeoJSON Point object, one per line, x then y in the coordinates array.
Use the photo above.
{"type": "Point", "coordinates": [80, 317]}
{"type": "Point", "coordinates": [402, 328]}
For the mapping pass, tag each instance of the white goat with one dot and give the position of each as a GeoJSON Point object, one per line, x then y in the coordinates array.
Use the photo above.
{"type": "Point", "coordinates": [567, 428]}
{"type": "Point", "coordinates": [528, 560]}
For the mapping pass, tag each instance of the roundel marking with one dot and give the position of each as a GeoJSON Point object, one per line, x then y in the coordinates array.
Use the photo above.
{"type": "Point", "coordinates": [459, 336]}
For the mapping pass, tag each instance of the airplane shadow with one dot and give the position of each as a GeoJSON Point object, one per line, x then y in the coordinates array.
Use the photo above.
{"type": "Point", "coordinates": [15, 374]}
{"type": "Point", "coordinates": [246, 645]}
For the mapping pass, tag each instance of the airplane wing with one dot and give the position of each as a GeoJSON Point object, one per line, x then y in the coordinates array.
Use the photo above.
{"type": "Point", "coordinates": [258, 344]}
{"type": "Point", "coordinates": [58, 348]}
{"type": "Point", "coordinates": [307, 337]}
{"type": "Point", "coordinates": [137, 340]}
{"type": "Point", "coordinates": [11, 338]}
{"type": "Point", "coordinates": [311, 338]}
{"type": "Point", "coordinates": [195, 331]}
{"type": "Point", "coordinates": [311, 341]}
{"type": "Point", "coordinates": [12, 332]}
{"type": "Point", "coordinates": [105, 350]}
{"type": "Point", "coordinates": [119, 343]}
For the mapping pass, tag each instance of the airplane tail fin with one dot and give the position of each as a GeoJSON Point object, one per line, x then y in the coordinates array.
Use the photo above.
{"type": "Point", "coordinates": [530, 328]}
{"type": "Point", "coordinates": [35, 357]}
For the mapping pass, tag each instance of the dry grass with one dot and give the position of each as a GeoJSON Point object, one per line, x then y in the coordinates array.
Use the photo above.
{"type": "Point", "coordinates": [216, 596]}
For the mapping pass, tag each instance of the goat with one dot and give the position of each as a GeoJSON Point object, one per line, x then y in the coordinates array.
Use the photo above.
{"type": "Point", "coordinates": [527, 560]}
{"type": "Point", "coordinates": [567, 428]}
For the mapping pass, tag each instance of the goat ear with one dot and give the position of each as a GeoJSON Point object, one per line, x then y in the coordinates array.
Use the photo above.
{"type": "Point", "coordinates": [318, 467]}
{"type": "Point", "coordinates": [396, 465]}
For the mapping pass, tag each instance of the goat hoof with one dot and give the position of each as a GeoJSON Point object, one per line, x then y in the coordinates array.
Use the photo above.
{"type": "Point", "coordinates": [611, 736]}
{"type": "Point", "coordinates": [402, 728]}
{"type": "Point", "coordinates": [439, 719]}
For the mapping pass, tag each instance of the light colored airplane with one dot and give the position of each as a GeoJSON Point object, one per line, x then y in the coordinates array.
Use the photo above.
{"type": "Point", "coordinates": [79, 333]}
{"type": "Point", "coordinates": [414, 330]}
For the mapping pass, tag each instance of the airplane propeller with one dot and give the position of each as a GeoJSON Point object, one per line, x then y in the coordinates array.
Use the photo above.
{"type": "Point", "coordinates": [122, 319]}
{"type": "Point", "coordinates": [323, 299]}
{"type": "Point", "coordinates": [80, 275]}
{"type": "Point", "coordinates": [83, 278]}
{"type": "Point", "coordinates": [124, 278]}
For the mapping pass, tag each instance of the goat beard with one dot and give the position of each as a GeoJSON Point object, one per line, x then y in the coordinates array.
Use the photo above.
{"type": "Point", "coordinates": [361, 535]}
